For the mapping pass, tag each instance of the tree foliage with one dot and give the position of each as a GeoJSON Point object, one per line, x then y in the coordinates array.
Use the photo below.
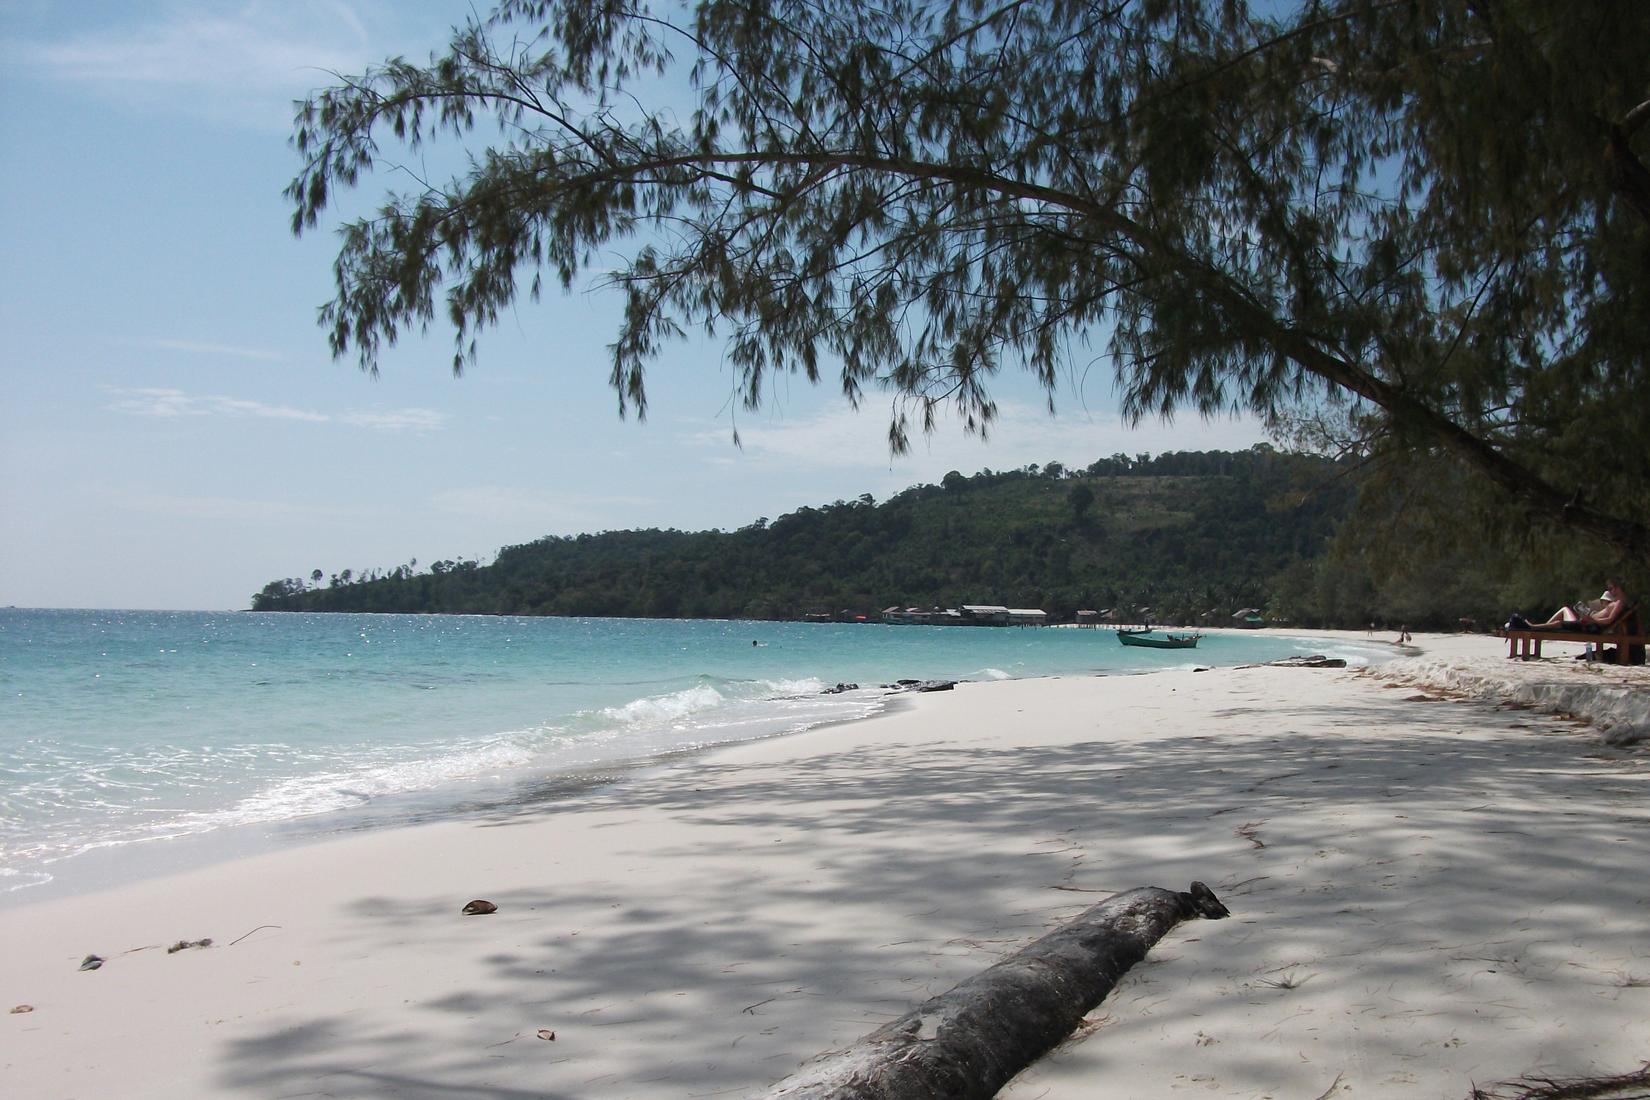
{"type": "Point", "coordinates": [1432, 214]}
{"type": "Point", "coordinates": [1194, 536]}
{"type": "Point", "coordinates": [1183, 534]}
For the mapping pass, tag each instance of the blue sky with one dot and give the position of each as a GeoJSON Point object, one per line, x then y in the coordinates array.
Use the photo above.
{"type": "Point", "coordinates": [174, 432]}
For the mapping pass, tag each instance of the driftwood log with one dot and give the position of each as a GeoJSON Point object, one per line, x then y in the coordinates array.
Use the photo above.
{"type": "Point", "coordinates": [968, 1042]}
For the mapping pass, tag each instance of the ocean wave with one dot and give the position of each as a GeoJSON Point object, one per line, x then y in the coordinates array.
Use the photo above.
{"type": "Point", "coordinates": [1356, 654]}
{"type": "Point", "coordinates": [13, 879]}
{"type": "Point", "coordinates": [673, 707]}
{"type": "Point", "coordinates": [352, 788]}
{"type": "Point", "coordinates": [127, 802]}
{"type": "Point", "coordinates": [105, 813]}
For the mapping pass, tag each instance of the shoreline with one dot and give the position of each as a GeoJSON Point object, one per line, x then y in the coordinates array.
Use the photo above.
{"type": "Point", "coordinates": [121, 861]}
{"type": "Point", "coordinates": [715, 921]}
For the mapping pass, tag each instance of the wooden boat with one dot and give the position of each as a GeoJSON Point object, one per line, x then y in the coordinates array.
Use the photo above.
{"type": "Point", "coordinates": [1168, 641]}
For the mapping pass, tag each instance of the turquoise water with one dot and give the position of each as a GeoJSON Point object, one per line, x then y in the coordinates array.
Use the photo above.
{"type": "Point", "coordinates": [120, 729]}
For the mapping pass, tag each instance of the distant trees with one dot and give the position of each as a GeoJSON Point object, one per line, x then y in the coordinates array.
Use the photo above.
{"type": "Point", "coordinates": [1013, 537]}
{"type": "Point", "coordinates": [1194, 535]}
{"type": "Point", "coordinates": [275, 593]}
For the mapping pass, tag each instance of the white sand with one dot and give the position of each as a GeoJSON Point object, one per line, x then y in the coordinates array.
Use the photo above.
{"type": "Point", "coordinates": [1426, 894]}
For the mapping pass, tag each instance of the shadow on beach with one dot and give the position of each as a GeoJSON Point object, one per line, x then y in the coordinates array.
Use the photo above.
{"type": "Point", "coordinates": [1420, 847]}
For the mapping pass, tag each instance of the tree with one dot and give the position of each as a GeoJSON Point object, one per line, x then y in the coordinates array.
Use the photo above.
{"type": "Point", "coordinates": [1432, 215]}
{"type": "Point", "coordinates": [970, 1041]}
{"type": "Point", "coordinates": [1081, 499]}
{"type": "Point", "coordinates": [1004, 538]}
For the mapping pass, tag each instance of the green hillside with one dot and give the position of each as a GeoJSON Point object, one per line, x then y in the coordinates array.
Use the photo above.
{"type": "Point", "coordinates": [1182, 533]}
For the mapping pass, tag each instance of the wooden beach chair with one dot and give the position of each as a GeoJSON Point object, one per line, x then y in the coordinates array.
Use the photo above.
{"type": "Point", "coordinates": [1625, 633]}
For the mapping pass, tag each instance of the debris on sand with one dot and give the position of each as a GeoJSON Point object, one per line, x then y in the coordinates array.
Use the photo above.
{"type": "Point", "coordinates": [184, 945]}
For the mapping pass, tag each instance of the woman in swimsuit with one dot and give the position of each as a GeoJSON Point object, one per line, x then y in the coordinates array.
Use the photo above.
{"type": "Point", "coordinates": [1590, 618]}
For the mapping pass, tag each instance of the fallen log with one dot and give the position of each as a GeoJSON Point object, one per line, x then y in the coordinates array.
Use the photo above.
{"type": "Point", "coordinates": [966, 1043]}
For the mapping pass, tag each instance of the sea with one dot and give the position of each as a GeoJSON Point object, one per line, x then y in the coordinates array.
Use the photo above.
{"type": "Point", "coordinates": [136, 743]}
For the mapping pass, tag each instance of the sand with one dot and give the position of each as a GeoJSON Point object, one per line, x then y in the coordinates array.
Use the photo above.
{"type": "Point", "coordinates": [1430, 890]}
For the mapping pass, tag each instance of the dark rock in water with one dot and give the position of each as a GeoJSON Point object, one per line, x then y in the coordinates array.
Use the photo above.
{"type": "Point", "coordinates": [91, 962]}
{"type": "Point", "coordinates": [1317, 660]}
{"type": "Point", "coordinates": [478, 907]}
{"type": "Point", "coordinates": [839, 689]}
{"type": "Point", "coordinates": [921, 685]}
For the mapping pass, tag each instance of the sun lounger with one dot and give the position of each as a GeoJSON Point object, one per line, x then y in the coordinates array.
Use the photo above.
{"type": "Point", "coordinates": [1625, 634]}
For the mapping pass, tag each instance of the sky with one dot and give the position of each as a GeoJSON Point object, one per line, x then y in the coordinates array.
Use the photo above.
{"type": "Point", "coordinates": [175, 434]}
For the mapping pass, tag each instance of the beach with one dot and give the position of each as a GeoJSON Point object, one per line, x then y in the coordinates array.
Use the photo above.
{"type": "Point", "coordinates": [1435, 882]}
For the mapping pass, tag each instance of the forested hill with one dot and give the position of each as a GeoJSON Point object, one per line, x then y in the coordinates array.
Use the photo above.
{"type": "Point", "coordinates": [1182, 533]}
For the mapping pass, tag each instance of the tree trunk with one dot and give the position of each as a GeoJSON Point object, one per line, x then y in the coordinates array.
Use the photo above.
{"type": "Point", "coordinates": [968, 1042]}
{"type": "Point", "coordinates": [1623, 170]}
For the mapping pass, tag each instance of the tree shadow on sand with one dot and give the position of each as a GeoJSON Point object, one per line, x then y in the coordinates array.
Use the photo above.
{"type": "Point", "coordinates": [1406, 840]}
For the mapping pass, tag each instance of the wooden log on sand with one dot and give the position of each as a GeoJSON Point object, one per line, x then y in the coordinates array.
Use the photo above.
{"type": "Point", "coordinates": [968, 1042]}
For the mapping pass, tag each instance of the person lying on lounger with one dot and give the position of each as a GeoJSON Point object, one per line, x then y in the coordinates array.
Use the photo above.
{"type": "Point", "coordinates": [1589, 618]}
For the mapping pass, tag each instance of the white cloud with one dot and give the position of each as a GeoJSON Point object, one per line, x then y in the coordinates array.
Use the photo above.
{"type": "Point", "coordinates": [397, 420]}
{"type": "Point", "coordinates": [236, 510]}
{"type": "Point", "coordinates": [174, 404]}
{"type": "Point", "coordinates": [839, 438]}
{"type": "Point", "coordinates": [241, 63]}
{"type": "Point", "coordinates": [169, 404]}
{"type": "Point", "coordinates": [538, 509]}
